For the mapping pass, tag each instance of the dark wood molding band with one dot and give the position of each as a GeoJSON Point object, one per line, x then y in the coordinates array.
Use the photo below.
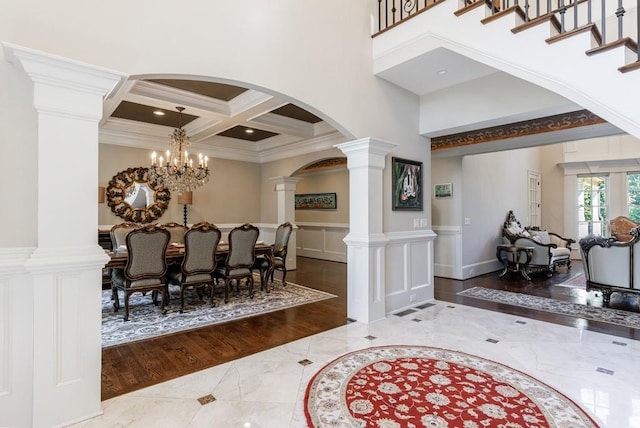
{"type": "Point", "coordinates": [558, 122]}
{"type": "Point", "coordinates": [589, 27]}
{"type": "Point", "coordinates": [625, 41]}
{"type": "Point", "coordinates": [537, 21]}
{"type": "Point", "coordinates": [630, 67]}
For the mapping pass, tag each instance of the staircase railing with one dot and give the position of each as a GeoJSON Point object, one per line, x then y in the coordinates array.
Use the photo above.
{"type": "Point", "coordinates": [581, 14]}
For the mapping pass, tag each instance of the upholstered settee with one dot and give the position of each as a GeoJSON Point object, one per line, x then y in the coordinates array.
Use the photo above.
{"type": "Point", "coordinates": [550, 250]}
{"type": "Point", "coordinates": [611, 265]}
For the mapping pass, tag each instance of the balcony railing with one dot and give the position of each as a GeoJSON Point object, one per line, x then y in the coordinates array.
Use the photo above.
{"type": "Point", "coordinates": [567, 15]}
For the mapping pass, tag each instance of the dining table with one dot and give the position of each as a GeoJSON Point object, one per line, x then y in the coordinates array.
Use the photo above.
{"type": "Point", "coordinates": [175, 254]}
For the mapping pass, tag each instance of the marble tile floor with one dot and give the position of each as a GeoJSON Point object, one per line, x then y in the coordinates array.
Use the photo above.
{"type": "Point", "coordinates": [598, 371]}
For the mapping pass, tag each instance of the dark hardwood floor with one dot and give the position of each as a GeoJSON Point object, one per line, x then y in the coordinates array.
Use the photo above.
{"type": "Point", "coordinates": [133, 366]}
{"type": "Point", "coordinates": [136, 365]}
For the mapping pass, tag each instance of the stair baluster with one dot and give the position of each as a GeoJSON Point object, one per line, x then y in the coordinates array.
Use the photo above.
{"type": "Point", "coordinates": [620, 14]}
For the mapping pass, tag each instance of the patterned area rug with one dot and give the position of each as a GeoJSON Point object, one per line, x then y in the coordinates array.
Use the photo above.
{"type": "Point", "coordinates": [607, 315]}
{"type": "Point", "coordinates": [146, 321]}
{"type": "Point", "coordinates": [419, 386]}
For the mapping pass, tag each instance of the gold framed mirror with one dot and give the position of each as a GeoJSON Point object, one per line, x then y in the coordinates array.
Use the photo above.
{"type": "Point", "coordinates": [134, 196]}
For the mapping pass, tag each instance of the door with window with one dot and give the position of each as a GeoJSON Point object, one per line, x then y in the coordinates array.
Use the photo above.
{"type": "Point", "coordinates": [534, 199]}
{"type": "Point", "coordinates": [592, 205]}
{"type": "Point", "coordinates": [633, 196]}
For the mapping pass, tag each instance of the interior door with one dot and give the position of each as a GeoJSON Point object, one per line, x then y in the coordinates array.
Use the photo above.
{"type": "Point", "coordinates": [534, 192]}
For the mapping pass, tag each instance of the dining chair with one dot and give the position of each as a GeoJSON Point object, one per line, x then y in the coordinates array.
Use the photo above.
{"type": "Point", "coordinates": [119, 233]}
{"type": "Point", "coordinates": [146, 267]}
{"type": "Point", "coordinates": [177, 232]}
{"type": "Point", "coordinates": [240, 258]}
{"type": "Point", "coordinates": [196, 270]}
{"type": "Point", "coordinates": [276, 259]}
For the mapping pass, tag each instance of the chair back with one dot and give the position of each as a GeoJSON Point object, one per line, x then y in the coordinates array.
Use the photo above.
{"type": "Point", "coordinates": [147, 247]}
{"type": "Point", "coordinates": [201, 242]}
{"type": "Point", "coordinates": [119, 233]}
{"type": "Point", "coordinates": [242, 242]}
{"type": "Point", "coordinates": [282, 240]}
{"type": "Point", "coordinates": [177, 232]}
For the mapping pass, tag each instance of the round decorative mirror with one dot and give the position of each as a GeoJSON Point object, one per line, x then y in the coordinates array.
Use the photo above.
{"type": "Point", "coordinates": [134, 196]}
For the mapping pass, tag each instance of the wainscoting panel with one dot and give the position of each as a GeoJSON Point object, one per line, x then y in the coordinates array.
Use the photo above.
{"type": "Point", "coordinates": [322, 241]}
{"type": "Point", "coordinates": [409, 272]}
{"type": "Point", "coordinates": [5, 325]}
{"type": "Point", "coordinates": [66, 329]}
{"type": "Point", "coordinates": [447, 252]}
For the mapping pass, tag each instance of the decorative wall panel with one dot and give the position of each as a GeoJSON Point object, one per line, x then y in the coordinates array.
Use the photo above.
{"type": "Point", "coordinates": [558, 122]}
{"type": "Point", "coordinates": [322, 241]}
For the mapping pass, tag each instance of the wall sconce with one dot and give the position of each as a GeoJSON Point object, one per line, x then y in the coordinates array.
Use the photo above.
{"type": "Point", "coordinates": [101, 194]}
{"type": "Point", "coordinates": [185, 198]}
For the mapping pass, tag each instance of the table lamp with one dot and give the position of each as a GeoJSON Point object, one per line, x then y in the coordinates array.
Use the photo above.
{"type": "Point", "coordinates": [185, 198]}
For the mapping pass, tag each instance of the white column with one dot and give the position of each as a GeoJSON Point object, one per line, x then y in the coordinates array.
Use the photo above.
{"type": "Point", "coordinates": [285, 192]}
{"type": "Point", "coordinates": [366, 241]}
{"type": "Point", "coordinates": [65, 267]}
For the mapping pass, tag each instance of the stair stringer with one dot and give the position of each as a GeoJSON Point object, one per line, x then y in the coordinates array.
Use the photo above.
{"type": "Point", "coordinates": [592, 82]}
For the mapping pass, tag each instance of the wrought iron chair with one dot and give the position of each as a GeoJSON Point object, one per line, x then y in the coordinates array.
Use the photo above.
{"type": "Point", "coordinates": [196, 270]}
{"type": "Point", "coordinates": [277, 259]}
{"type": "Point", "coordinates": [145, 269]}
{"type": "Point", "coordinates": [239, 261]}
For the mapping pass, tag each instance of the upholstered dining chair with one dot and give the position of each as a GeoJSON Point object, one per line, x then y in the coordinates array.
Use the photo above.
{"type": "Point", "coordinates": [145, 269]}
{"type": "Point", "coordinates": [196, 270]}
{"type": "Point", "coordinates": [277, 259]}
{"type": "Point", "coordinates": [239, 261]}
{"type": "Point", "coordinates": [119, 233]}
{"type": "Point", "coordinates": [177, 232]}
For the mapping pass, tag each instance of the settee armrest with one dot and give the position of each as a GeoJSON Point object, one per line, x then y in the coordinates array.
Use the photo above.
{"type": "Point", "coordinates": [561, 241]}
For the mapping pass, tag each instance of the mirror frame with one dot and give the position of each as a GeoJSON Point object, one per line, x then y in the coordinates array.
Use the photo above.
{"type": "Point", "coordinates": [116, 191]}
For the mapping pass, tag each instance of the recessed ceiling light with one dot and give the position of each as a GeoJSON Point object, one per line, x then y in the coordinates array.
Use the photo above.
{"type": "Point", "coordinates": [441, 72]}
{"type": "Point", "coordinates": [249, 131]}
{"type": "Point", "coordinates": [158, 112]}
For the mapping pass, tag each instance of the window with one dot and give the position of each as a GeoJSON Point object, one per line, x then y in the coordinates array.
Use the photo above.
{"type": "Point", "coordinates": [592, 205]}
{"type": "Point", "coordinates": [633, 196]}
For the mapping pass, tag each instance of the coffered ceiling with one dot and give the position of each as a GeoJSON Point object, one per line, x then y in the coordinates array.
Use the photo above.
{"type": "Point", "coordinates": [222, 120]}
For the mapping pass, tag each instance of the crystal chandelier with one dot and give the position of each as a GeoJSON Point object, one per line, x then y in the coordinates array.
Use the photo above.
{"type": "Point", "coordinates": [176, 172]}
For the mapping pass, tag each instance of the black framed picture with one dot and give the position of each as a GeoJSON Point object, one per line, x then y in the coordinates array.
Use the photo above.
{"type": "Point", "coordinates": [406, 176]}
{"type": "Point", "coordinates": [316, 201]}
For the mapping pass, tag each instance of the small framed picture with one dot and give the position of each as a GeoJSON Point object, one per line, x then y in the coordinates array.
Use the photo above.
{"type": "Point", "coordinates": [443, 190]}
{"type": "Point", "coordinates": [406, 183]}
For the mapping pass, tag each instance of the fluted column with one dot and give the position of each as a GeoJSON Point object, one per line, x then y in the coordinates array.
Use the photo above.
{"type": "Point", "coordinates": [366, 241]}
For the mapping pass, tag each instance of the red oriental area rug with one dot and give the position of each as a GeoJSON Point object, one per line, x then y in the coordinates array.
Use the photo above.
{"type": "Point", "coordinates": [419, 386]}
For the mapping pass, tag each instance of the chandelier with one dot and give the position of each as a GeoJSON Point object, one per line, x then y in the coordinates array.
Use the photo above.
{"type": "Point", "coordinates": [176, 172]}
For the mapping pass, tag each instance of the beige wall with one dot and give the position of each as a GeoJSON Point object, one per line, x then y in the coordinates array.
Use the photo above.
{"type": "Point", "coordinates": [335, 181]}
{"type": "Point", "coordinates": [231, 196]}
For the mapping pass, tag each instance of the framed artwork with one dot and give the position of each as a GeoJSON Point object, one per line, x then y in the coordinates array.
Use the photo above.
{"type": "Point", "coordinates": [316, 201]}
{"type": "Point", "coordinates": [406, 176]}
{"type": "Point", "coordinates": [443, 190]}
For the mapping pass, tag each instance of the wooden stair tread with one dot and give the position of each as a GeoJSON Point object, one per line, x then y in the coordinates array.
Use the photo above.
{"type": "Point", "coordinates": [507, 11]}
{"type": "Point", "coordinates": [630, 67]}
{"type": "Point", "coordinates": [589, 27]}
{"type": "Point", "coordinates": [625, 41]}
{"type": "Point", "coordinates": [468, 7]}
{"type": "Point", "coordinates": [537, 21]}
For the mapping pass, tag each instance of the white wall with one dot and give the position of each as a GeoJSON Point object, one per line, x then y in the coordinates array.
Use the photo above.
{"type": "Point", "coordinates": [474, 104]}
{"type": "Point", "coordinates": [485, 188]}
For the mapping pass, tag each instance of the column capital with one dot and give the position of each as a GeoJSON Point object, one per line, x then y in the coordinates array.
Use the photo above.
{"type": "Point", "coordinates": [58, 71]}
{"type": "Point", "coordinates": [366, 153]}
{"type": "Point", "coordinates": [366, 145]}
{"type": "Point", "coordinates": [285, 183]}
